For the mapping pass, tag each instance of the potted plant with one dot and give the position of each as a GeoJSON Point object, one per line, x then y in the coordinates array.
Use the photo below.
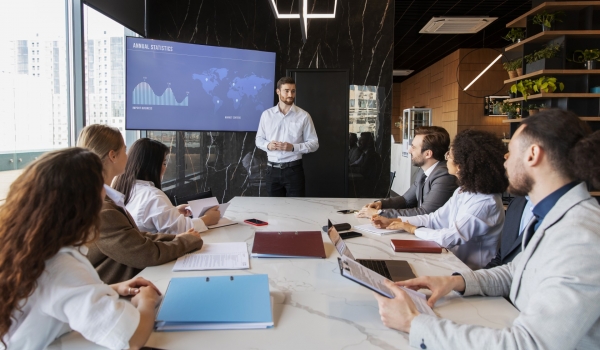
{"type": "Point", "coordinates": [589, 57]}
{"type": "Point", "coordinates": [525, 87]}
{"type": "Point", "coordinates": [509, 108]}
{"type": "Point", "coordinates": [545, 19]}
{"type": "Point", "coordinates": [511, 94]}
{"type": "Point", "coordinates": [512, 67]}
{"type": "Point", "coordinates": [547, 84]}
{"type": "Point", "coordinates": [542, 107]}
{"type": "Point", "coordinates": [515, 34]}
{"type": "Point", "coordinates": [544, 59]}
{"type": "Point", "coordinates": [532, 109]}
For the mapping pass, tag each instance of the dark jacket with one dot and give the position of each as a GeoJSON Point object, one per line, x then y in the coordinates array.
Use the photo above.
{"type": "Point", "coordinates": [437, 189]}
{"type": "Point", "coordinates": [122, 251]}
{"type": "Point", "coordinates": [510, 240]}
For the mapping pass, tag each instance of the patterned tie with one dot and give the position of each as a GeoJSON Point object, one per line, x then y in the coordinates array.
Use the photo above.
{"type": "Point", "coordinates": [420, 188]}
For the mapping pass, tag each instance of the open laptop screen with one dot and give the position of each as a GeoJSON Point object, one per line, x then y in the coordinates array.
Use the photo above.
{"type": "Point", "coordinates": [337, 241]}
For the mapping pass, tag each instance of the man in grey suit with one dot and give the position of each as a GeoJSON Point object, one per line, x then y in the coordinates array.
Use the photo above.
{"type": "Point", "coordinates": [433, 185]}
{"type": "Point", "coordinates": [555, 281]}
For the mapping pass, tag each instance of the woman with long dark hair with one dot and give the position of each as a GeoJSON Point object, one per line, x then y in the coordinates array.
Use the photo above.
{"type": "Point", "coordinates": [47, 285]}
{"type": "Point", "coordinates": [122, 250]}
{"type": "Point", "coordinates": [144, 199]}
{"type": "Point", "coordinates": [470, 222]}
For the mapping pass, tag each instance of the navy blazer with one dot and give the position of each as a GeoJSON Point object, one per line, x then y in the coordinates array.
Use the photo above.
{"type": "Point", "coordinates": [510, 240]}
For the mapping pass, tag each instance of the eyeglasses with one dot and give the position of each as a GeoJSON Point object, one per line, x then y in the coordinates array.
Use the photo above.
{"type": "Point", "coordinates": [447, 156]}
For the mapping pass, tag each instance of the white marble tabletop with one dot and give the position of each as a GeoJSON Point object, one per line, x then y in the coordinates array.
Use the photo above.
{"type": "Point", "coordinates": [314, 307]}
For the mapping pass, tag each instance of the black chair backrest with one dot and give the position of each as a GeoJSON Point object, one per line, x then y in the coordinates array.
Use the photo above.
{"type": "Point", "coordinates": [392, 176]}
{"type": "Point", "coordinates": [191, 197]}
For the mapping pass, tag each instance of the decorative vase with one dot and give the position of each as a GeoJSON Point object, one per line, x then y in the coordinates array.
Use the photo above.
{"type": "Point", "coordinates": [519, 71]}
{"type": "Point", "coordinates": [591, 64]}
{"type": "Point", "coordinates": [543, 109]}
{"type": "Point", "coordinates": [533, 112]}
{"type": "Point", "coordinates": [512, 74]}
{"type": "Point", "coordinates": [545, 29]}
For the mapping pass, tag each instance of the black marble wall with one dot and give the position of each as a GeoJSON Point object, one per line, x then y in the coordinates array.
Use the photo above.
{"type": "Point", "coordinates": [359, 39]}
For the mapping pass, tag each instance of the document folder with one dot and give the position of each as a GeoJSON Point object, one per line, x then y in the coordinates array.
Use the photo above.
{"type": "Point", "coordinates": [415, 246]}
{"type": "Point", "coordinates": [216, 302]}
{"type": "Point", "coordinates": [292, 244]}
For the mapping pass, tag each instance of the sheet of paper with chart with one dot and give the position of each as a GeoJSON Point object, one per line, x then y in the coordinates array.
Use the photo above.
{"type": "Point", "coordinates": [215, 256]}
{"type": "Point", "coordinates": [375, 282]}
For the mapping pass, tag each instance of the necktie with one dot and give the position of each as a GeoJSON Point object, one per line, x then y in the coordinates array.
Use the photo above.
{"type": "Point", "coordinates": [529, 231]}
{"type": "Point", "coordinates": [420, 188]}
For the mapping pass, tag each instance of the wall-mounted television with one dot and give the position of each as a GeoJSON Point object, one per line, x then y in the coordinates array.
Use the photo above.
{"type": "Point", "coordinates": [176, 86]}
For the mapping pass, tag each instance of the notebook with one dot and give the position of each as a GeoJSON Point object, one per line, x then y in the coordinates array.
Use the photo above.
{"type": "Point", "coordinates": [376, 231]}
{"type": "Point", "coordinates": [395, 270]}
{"type": "Point", "coordinates": [415, 246]}
{"type": "Point", "coordinates": [216, 302]}
{"type": "Point", "coordinates": [288, 244]}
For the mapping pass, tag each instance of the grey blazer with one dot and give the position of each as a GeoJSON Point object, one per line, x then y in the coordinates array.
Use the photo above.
{"type": "Point", "coordinates": [554, 283]}
{"type": "Point", "coordinates": [437, 189]}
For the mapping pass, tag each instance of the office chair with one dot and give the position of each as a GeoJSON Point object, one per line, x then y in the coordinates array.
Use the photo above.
{"type": "Point", "coordinates": [177, 200]}
{"type": "Point", "coordinates": [392, 177]}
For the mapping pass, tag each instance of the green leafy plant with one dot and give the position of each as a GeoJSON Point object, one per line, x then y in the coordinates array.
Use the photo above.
{"type": "Point", "coordinates": [549, 51]}
{"type": "Point", "coordinates": [513, 65]}
{"type": "Point", "coordinates": [530, 107]}
{"type": "Point", "coordinates": [582, 56]}
{"type": "Point", "coordinates": [545, 18]}
{"type": "Point", "coordinates": [514, 34]}
{"type": "Point", "coordinates": [547, 84]}
{"type": "Point", "coordinates": [525, 87]}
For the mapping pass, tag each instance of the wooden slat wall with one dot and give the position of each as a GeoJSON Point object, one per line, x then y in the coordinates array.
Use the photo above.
{"type": "Point", "coordinates": [437, 88]}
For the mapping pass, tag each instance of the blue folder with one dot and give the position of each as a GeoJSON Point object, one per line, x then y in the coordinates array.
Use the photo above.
{"type": "Point", "coordinates": [216, 302]}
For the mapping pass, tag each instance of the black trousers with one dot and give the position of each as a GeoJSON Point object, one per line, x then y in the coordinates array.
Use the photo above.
{"type": "Point", "coordinates": [287, 182]}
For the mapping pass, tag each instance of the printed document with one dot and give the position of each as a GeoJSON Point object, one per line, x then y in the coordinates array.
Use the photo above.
{"type": "Point", "coordinates": [200, 206]}
{"type": "Point", "coordinates": [376, 231]}
{"type": "Point", "coordinates": [215, 256]}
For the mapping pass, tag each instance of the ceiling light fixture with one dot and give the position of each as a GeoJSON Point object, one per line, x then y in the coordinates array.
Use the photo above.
{"type": "Point", "coordinates": [401, 72]}
{"type": "Point", "coordinates": [456, 25]}
{"type": "Point", "coordinates": [303, 15]}
{"type": "Point", "coordinates": [485, 70]}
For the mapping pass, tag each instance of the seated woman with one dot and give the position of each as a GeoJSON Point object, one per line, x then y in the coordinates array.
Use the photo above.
{"type": "Point", "coordinates": [470, 223]}
{"type": "Point", "coordinates": [122, 251]}
{"type": "Point", "coordinates": [47, 284]}
{"type": "Point", "coordinates": [146, 202]}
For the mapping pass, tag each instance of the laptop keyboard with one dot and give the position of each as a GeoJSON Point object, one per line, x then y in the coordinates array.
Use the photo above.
{"type": "Point", "coordinates": [378, 266]}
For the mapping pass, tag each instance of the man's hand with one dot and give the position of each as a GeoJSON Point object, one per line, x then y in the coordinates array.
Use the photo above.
{"type": "Point", "coordinates": [132, 286]}
{"type": "Point", "coordinates": [192, 232]}
{"type": "Point", "coordinates": [211, 216]}
{"type": "Point", "coordinates": [399, 312]}
{"type": "Point", "coordinates": [438, 285]}
{"type": "Point", "coordinates": [399, 225]}
{"type": "Point", "coordinates": [285, 146]}
{"type": "Point", "coordinates": [272, 146]}
{"type": "Point", "coordinates": [181, 209]}
{"type": "Point", "coordinates": [366, 212]}
{"type": "Point", "coordinates": [374, 205]}
{"type": "Point", "coordinates": [382, 222]}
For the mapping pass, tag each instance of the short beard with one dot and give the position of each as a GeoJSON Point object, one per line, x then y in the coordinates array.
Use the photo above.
{"type": "Point", "coordinates": [418, 162]}
{"type": "Point", "coordinates": [521, 184]}
{"type": "Point", "coordinates": [285, 101]}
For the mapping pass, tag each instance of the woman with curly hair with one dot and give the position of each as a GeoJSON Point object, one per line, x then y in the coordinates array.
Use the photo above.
{"type": "Point", "coordinates": [470, 223]}
{"type": "Point", "coordinates": [47, 285]}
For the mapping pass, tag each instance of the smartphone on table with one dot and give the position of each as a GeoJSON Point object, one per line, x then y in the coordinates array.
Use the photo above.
{"type": "Point", "coordinates": [349, 234]}
{"type": "Point", "coordinates": [256, 222]}
{"type": "Point", "coordinates": [347, 211]}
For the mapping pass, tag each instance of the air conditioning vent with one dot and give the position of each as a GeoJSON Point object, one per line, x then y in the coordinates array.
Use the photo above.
{"type": "Point", "coordinates": [456, 25]}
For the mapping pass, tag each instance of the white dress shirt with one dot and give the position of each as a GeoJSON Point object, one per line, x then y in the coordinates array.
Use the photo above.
{"type": "Point", "coordinates": [115, 196]}
{"type": "Point", "coordinates": [295, 127]}
{"type": "Point", "coordinates": [469, 225]}
{"type": "Point", "coordinates": [70, 296]}
{"type": "Point", "coordinates": [153, 212]}
{"type": "Point", "coordinates": [430, 170]}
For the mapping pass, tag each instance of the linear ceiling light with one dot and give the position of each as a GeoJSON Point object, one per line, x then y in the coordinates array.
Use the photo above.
{"type": "Point", "coordinates": [303, 15]}
{"type": "Point", "coordinates": [402, 72]}
{"type": "Point", "coordinates": [485, 70]}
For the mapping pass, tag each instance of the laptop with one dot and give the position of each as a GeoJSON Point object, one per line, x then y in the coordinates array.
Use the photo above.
{"type": "Point", "coordinates": [395, 270]}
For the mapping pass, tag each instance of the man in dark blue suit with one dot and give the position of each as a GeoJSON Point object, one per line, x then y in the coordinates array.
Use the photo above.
{"type": "Point", "coordinates": [518, 215]}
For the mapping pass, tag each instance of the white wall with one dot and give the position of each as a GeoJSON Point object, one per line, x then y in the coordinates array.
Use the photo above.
{"type": "Point", "coordinates": [402, 166]}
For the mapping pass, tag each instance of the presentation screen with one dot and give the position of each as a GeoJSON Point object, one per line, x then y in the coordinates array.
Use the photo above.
{"type": "Point", "coordinates": [175, 86]}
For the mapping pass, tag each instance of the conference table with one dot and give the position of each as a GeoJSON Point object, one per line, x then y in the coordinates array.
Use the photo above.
{"type": "Point", "coordinates": [314, 307]}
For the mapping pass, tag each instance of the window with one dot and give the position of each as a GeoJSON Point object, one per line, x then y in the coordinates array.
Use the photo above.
{"type": "Point", "coordinates": [28, 128]}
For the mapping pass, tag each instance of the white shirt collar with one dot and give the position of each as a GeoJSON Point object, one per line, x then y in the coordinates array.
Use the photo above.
{"type": "Point", "coordinates": [430, 170]}
{"type": "Point", "coordinates": [116, 196]}
{"type": "Point", "coordinates": [292, 109]}
{"type": "Point", "coordinates": [145, 183]}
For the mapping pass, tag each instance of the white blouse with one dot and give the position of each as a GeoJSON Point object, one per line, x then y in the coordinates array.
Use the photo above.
{"type": "Point", "coordinates": [70, 296]}
{"type": "Point", "coordinates": [469, 225]}
{"type": "Point", "coordinates": [153, 212]}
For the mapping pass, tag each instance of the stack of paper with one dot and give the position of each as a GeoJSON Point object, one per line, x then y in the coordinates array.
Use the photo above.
{"type": "Point", "coordinates": [376, 231]}
{"type": "Point", "coordinates": [200, 206]}
{"type": "Point", "coordinates": [215, 256]}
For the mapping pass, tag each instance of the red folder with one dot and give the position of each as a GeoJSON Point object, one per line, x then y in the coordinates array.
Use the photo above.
{"type": "Point", "coordinates": [415, 246]}
{"type": "Point", "coordinates": [295, 244]}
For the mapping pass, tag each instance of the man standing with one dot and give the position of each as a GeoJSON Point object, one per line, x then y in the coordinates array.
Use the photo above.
{"type": "Point", "coordinates": [433, 185]}
{"type": "Point", "coordinates": [555, 281]}
{"type": "Point", "coordinates": [286, 132]}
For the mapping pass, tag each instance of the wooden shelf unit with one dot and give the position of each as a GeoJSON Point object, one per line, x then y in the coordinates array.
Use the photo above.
{"type": "Point", "coordinates": [555, 95]}
{"type": "Point", "coordinates": [518, 120]}
{"type": "Point", "coordinates": [595, 193]}
{"type": "Point", "coordinates": [553, 34]}
{"type": "Point", "coordinates": [553, 72]}
{"type": "Point", "coordinates": [521, 22]}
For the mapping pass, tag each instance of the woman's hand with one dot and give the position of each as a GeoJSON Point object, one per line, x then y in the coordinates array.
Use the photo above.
{"type": "Point", "coordinates": [211, 216]}
{"type": "Point", "coordinates": [399, 225]}
{"type": "Point", "coordinates": [185, 212]}
{"type": "Point", "coordinates": [192, 232]}
{"type": "Point", "coordinates": [132, 287]}
{"type": "Point", "coordinates": [381, 221]}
